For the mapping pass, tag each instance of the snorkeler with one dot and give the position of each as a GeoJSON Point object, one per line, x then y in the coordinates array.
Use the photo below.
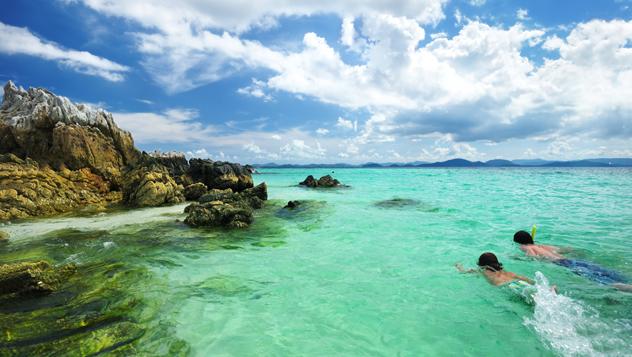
{"type": "Point", "coordinates": [582, 268]}
{"type": "Point", "coordinates": [493, 271]}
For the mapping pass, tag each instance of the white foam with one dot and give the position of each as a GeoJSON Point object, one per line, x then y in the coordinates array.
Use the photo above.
{"type": "Point", "coordinates": [32, 228]}
{"type": "Point", "coordinates": [569, 327]}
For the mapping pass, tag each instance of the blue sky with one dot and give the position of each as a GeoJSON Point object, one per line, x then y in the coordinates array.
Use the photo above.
{"type": "Point", "coordinates": [330, 81]}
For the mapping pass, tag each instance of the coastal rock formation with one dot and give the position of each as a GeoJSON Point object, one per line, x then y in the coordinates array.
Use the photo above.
{"type": "Point", "coordinates": [32, 278]}
{"type": "Point", "coordinates": [176, 164]}
{"type": "Point", "coordinates": [225, 208]}
{"type": "Point", "coordinates": [220, 175]}
{"type": "Point", "coordinates": [57, 156]}
{"type": "Point", "coordinates": [151, 186]}
{"type": "Point", "coordinates": [325, 181]}
{"type": "Point", "coordinates": [54, 131]}
{"type": "Point", "coordinates": [27, 189]}
{"type": "Point", "coordinates": [195, 191]}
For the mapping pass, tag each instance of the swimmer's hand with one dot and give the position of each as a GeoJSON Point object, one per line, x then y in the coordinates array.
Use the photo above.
{"type": "Point", "coordinates": [460, 268]}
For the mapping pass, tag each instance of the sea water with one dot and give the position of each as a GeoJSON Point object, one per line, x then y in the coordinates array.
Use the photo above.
{"type": "Point", "coordinates": [364, 270]}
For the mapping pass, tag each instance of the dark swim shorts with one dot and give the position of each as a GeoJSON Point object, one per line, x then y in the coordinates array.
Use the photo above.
{"type": "Point", "coordinates": [592, 271]}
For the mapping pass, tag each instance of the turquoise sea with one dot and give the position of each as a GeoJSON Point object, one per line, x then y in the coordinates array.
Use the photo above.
{"type": "Point", "coordinates": [342, 276]}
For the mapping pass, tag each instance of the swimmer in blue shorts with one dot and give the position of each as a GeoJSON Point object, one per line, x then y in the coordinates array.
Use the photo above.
{"type": "Point", "coordinates": [588, 270]}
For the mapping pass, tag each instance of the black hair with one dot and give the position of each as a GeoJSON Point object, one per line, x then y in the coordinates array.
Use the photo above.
{"type": "Point", "coordinates": [489, 261]}
{"type": "Point", "coordinates": [523, 237]}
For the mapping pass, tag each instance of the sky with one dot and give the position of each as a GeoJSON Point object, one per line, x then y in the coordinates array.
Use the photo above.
{"type": "Point", "coordinates": [306, 81]}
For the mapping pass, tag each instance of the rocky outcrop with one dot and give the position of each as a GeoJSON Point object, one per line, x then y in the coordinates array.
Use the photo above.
{"type": "Point", "coordinates": [32, 278]}
{"type": "Point", "coordinates": [195, 191]}
{"type": "Point", "coordinates": [28, 189]}
{"type": "Point", "coordinates": [225, 208]}
{"type": "Point", "coordinates": [220, 175]}
{"type": "Point", "coordinates": [57, 156]}
{"type": "Point", "coordinates": [292, 204]}
{"type": "Point", "coordinates": [54, 131]}
{"type": "Point", "coordinates": [325, 181]}
{"type": "Point", "coordinates": [176, 164]}
{"type": "Point", "coordinates": [148, 186]}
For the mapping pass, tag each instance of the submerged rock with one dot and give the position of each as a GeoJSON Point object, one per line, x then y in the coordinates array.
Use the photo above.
{"type": "Point", "coordinates": [397, 203]}
{"type": "Point", "coordinates": [219, 214]}
{"type": "Point", "coordinates": [225, 208]}
{"type": "Point", "coordinates": [194, 191]}
{"type": "Point", "coordinates": [151, 186]}
{"type": "Point", "coordinates": [32, 278]}
{"type": "Point", "coordinates": [325, 181]}
{"type": "Point", "coordinates": [292, 204]}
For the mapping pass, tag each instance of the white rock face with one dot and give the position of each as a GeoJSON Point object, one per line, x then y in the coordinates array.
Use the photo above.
{"type": "Point", "coordinates": [37, 107]}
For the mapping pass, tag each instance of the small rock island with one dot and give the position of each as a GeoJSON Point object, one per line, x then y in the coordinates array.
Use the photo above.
{"type": "Point", "coordinates": [325, 181]}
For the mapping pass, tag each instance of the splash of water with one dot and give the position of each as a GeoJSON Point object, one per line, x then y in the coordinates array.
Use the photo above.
{"type": "Point", "coordinates": [571, 328]}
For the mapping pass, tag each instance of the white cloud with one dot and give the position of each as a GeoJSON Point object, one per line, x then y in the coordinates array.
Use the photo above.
{"type": "Point", "coordinates": [476, 85]}
{"type": "Point", "coordinates": [257, 90]}
{"type": "Point", "coordinates": [242, 15]}
{"type": "Point", "coordinates": [299, 149]}
{"type": "Point", "coordinates": [347, 32]}
{"type": "Point", "coordinates": [522, 14]}
{"type": "Point", "coordinates": [477, 2]}
{"type": "Point", "coordinates": [20, 41]}
{"type": "Point", "coordinates": [189, 44]}
{"type": "Point", "coordinates": [171, 126]}
{"type": "Point", "coordinates": [322, 131]}
{"type": "Point", "coordinates": [347, 124]}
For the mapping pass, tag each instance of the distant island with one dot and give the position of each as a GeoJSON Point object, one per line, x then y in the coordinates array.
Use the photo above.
{"type": "Point", "coordinates": [598, 162]}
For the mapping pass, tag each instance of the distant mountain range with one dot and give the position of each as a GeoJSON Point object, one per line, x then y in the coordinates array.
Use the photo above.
{"type": "Point", "coordinates": [598, 162]}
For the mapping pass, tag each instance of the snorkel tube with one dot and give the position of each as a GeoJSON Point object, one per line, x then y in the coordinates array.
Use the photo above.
{"type": "Point", "coordinates": [533, 232]}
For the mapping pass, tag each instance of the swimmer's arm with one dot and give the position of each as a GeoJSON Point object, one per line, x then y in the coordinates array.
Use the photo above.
{"type": "Point", "coordinates": [524, 278]}
{"type": "Point", "coordinates": [462, 270]}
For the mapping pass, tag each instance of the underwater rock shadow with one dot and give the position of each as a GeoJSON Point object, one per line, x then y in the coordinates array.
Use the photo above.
{"type": "Point", "coordinates": [406, 203]}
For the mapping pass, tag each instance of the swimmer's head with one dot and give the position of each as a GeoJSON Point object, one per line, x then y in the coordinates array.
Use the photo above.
{"type": "Point", "coordinates": [489, 261]}
{"type": "Point", "coordinates": [523, 237]}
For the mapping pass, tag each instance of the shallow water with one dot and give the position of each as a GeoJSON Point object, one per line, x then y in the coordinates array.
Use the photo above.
{"type": "Point", "coordinates": [343, 275]}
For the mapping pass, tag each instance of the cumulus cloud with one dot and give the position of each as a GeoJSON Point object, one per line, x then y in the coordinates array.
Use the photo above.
{"type": "Point", "coordinates": [257, 90]}
{"type": "Point", "coordinates": [522, 14]}
{"type": "Point", "coordinates": [322, 131]}
{"type": "Point", "coordinates": [475, 85]}
{"type": "Point", "coordinates": [170, 126]}
{"type": "Point", "coordinates": [20, 41]}
{"type": "Point", "coordinates": [347, 124]}
{"type": "Point", "coordinates": [298, 148]}
{"type": "Point", "coordinates": [477, 2]}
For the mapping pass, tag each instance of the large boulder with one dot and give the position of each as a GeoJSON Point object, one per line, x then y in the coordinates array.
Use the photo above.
{"type": "Point", "coordinates": [27, 189]}
{"type": "Point", "coordinates": [176, 164]}
{"type": "Point", "coordinates": [225, 208]}
{"type": "Point", "coordinates": [32, 278]}
{"type": "Point", "coordinates": [219, 214]}
{"type": "Point", "coordinates": [151, 186]}
{"type": "Point", "coordinates": [4, 236]}
{"type": "Point", "coordinates": [220, 175]}
{"type": "Point", "coordinates": [195, 191]}
{"type": "Point", "coordinates": [54, 131]}
{"type": "Point", "coordinates": [325, 181]}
